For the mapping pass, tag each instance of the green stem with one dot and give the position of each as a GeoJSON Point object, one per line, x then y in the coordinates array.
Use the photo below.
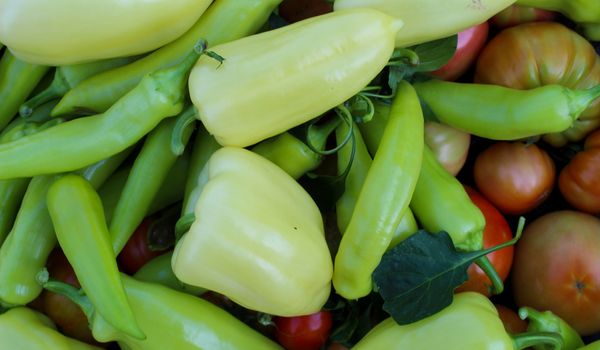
{"type": "Point", "coordinates": [184, 125]}
{"type": "Point", "coordinates": [527, 339]}
{"type": "Point", "coordinates": [56, 89]}
{"type": "Point", "coordinates": [318, 134]}
{"type": "Point", "coordinates": [404, 56]}
{"type": "Point", "coordinates": [183, 225]}
{"type": "Point", "coordinates": [72, 293]}
{"type": "Point", "coordinates": [487, 267]}
{"type": "Point", "coordinates": [581, 99]}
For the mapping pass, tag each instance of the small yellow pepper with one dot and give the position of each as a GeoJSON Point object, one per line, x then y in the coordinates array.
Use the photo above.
{"type": "Point", "coordinates": [62, 32]}
{"type": "Point", "coordinates": [257, 238]}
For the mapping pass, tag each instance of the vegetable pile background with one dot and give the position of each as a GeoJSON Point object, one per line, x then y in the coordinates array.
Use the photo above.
{"type": "Point", "coordinates": [300, 174]}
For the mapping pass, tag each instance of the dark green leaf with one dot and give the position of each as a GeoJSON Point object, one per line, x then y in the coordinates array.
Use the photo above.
{"type": "Point", "coordinates": [435, 54]}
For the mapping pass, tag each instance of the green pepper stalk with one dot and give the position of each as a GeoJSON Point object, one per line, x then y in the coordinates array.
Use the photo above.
{"type": "Point", "coordinates": [19, 263]}
{"type": "Point", "coordinates": [24, 328]}
{"type": "Point", "coordinates": [13, 190]}
{"type": "Point", "coordinates": [190, 323]}
{"type": "Point", "coordinates": [78, 219]}
{"type": "Point", "coordinates": [159, 270]}
{"type": "Point", "coordinates": [578, 10]}
{"type": "Point", "coordinates": [470, 322]}
{"type": "Point", "coordinates": [361, 162]}
{"type": "Point", "coordinates": [223, 21]}
{"type": "Point", "coordinates": [150, 170]}
{"type": "Point", "coordinates": [17, 81]}
{"type": "Point", "coordinates": [549, 322]}
{"type": "Point", "coordinates": [384, 197]}
{"type": "Point", "coordinates": [80, 142]}
{"type": "Point", "coordinates": [66, 78]}
{"type": "Point", "coordinates": [500, 113]}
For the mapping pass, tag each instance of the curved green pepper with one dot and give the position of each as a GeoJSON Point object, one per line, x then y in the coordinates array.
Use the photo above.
{"type": "Point", "coordinates": [191, 323]}
{"type": "Point", "coordinates": [80, 142]}
{"type": "Point", "coordinates": [78, 219]}
{"type": "Point", "coordinates": [159, 270]}
{"type": "Point", "coordinates": [22, 328]}
{"type": "Point", "coordinates": [500, 113]}
{"type": "Point", "coordinates": [548, 322]}
{"type": "Point", "coordinates": [470, 322]}
{"type": "Point", "coordinates": [577, 10]}
{"type": "Point", "coordinates": [384, 197]}
{"type": "Point", "coordinates": [17, 81]}
{"type": "Point", "coordinates": [223, 21]}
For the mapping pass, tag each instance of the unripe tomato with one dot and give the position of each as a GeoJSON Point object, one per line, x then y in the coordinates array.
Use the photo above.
{"type": "Point", "coordinates": [518, 14]}
{"type": "Point", "coordinates": [450, 145]}
{"type": "Point", "coordinates": [516, 177]}
{"type": "Point", "coordinates": [579, 180]}
{"type": "Point", "coordinates": [470, 43]}
{"type": "Point", "coordinates": [497, 231]}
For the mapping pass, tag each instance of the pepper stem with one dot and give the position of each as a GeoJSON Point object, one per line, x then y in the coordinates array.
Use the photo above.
{"type": "Point", "coordinates": [484, 263]}
{"type": "Point", "coordinates": [55, 90]}
{"type": "Point", "coordinates": [581, 99]}
{"type": "Point", "coordinates": [184, 125]}
{"type": "Point", "coordinates": [72, 293]}
{"type": "Point", "coordinates": [527, 339]}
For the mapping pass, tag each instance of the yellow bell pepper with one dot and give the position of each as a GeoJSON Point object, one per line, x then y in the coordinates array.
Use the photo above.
{"type": "Point", "coordinates": [273, 81]}
{"type": "Point", "coordinates": [257, 238]}
{"type": "Point", "coordinates": [426, 20]}
{"type": "Point", "coordinates": [62, 32]}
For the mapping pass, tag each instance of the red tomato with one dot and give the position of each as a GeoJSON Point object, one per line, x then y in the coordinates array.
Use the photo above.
{"type": "Point", "coordinates": [470, 44]}
{"type": "Point", "coordinates": [517, 14]}
{"type": "Point", "coordinates": [496, 231]}
{"type": "Point", "coordinates": [450, 145]}
{"type": "Point", "coordinates": [511, 320]}
{"type": "Point", "coordinates": [557, 268]}
{"type": "Point", "coordinates": [62, 311]}
{"type": "Point", "coordinates": [137, 252]}
{"type": "Point", "coordinates": [516, 177]}
{"type": "Point", "coordinates": [308, 332]}
{"type": "Point", "coordinates": [297, 10]}
{"type": "Point", "coordinates": [578, 180]}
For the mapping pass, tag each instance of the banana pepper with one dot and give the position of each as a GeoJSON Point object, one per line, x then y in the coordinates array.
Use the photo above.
{"type": "Point", "coordinates": [22, 328]}
{"type": "Point", "coordinates": [470, 322]}
{"type": "Point", "coordinates": [257, 238]}
{"type": "Point", "coordinates": [63, 32]}
{"type": "Point", "coordinates": [304, 70]}
{"type": "Point", "coordinates": [426, 20]}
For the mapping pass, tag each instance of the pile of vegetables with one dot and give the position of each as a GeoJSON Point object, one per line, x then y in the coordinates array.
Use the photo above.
{"type": "Point", "coordinates": [300, 174]}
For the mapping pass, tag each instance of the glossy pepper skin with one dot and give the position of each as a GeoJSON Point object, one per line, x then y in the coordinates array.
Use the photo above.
{"type": "Point", "coordinates": [500, 113]}
{"type": "Point", "coordinates": [22, 328]}
{"type": "Point", "coordinates": [224, 20]}
{"type": "Point", "coordinates": [97, 29]}
{"type": "Point", "coordinates": [547, 321]}
{"type": "Point", "coordinates": [78, 220]}
{"type": "Point", "coordinates": [384, 196]}
{"type": "Point", "coordinates": [17, 81]}
{"type": "Point", "coordinates": [83, 141]}
{"type": "Point", "coordinates": [577, 10]}
{"type": "Point", "coordinates": [428, 20]}
{"type": "Point", "coordinates": [159, 270]}
{"type": "Point", "coordinates": [531, 55]}
{"type": "Point", "coordinates": [257, 238]}
{"type": "Point", "coordinates": [297, 63]}
{"type": "Point", "coordinates": [470, 322]}
{"type": "Point", "coordinates": [172, 320]}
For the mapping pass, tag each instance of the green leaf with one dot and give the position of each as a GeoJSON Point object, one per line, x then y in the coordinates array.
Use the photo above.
{"type": "Point", "coordinates": [417, 278]}
{"type": "Point", "coordinates": [435, 54]}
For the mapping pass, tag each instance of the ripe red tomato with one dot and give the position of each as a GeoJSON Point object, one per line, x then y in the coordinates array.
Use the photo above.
{"type": "Point", "coordinates": [297, 10]}
{"type": "Point", "coordinates": [62, 311]}
{"type": "Point", "coordinates": [309, 332]}
{"type": "Point", "coordinates": [496, 231]}
{"type": "Point", "coordinates": [578, 181]}
{"type": "Point", "coordinates": [516, 177]}
{"type": "Point", "coordinates": [470, 44]}
{"type": "Point", "coordinates": [517, 14]}
{"type": "Point", "coordinates": [511, 320]}
{"type": "Point", "coordinates": [450, 145]}
{"type": "Point", "coordinates": [137, 252]}
{"type": "Point", "coordinates": [557, 268]}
